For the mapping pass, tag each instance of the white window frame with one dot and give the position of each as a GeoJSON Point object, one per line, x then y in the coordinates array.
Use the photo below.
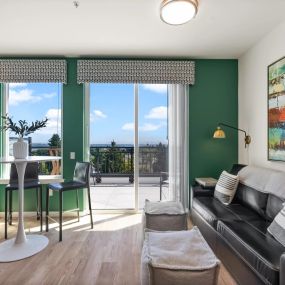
{"type": "Point", "coordinates": [5, 168]}
{"type": "Point", "coordinates": [5, 140]}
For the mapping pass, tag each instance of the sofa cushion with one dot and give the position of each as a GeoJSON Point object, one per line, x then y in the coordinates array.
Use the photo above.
{"type": "Point", "coordinates": [211, 209]}
{"type": "Point", "coordinates": [249, 197]}
{"type": "Point", "coordinates": [259, 224]}
{"type": "Point", "coordinates": [244, 213]}
{"type": "Point", "coordinates": [260, 251]}
{"type": "Point", "coordinates": [226, 187]}
{"type": "Point", "coordinates": [273, 207]}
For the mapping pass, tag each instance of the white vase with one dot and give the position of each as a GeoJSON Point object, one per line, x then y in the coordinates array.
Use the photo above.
{"type": "Point", "coordinates": [20, 149]}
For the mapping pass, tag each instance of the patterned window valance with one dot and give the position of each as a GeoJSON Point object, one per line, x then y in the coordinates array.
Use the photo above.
{"type": "Point", "coordinates": [136, 71]}
{"type": "Point", "coordinates": [32, 70]}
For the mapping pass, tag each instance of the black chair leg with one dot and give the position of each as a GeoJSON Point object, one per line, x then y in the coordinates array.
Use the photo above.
{"type": "Point", "coordinates": [10, 206]}
{"type": "Point", "coordinates": [6, 212]}
{"type": "Point", "coordinates": [41, 207]}
{"type": "Point", "coordinates": [47, 207]}
{"type": "Point", "coordinates": [77, 204]}
{"type": "Point", "coordinates": [60, 215]}
{"type": "Point", "coordinates": [38, 204]}
{"type": "Point", "coordinates": [90, 209]}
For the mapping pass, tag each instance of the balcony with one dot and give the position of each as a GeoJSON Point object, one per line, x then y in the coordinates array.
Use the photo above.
{"type": "Point", "coordinates": [112, 177]}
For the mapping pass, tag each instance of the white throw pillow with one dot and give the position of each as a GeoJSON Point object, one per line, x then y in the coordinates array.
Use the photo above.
{"type": "Point", "coordinates": [226, 187]}
{"type": "Point", "coordinates": [277, 227]}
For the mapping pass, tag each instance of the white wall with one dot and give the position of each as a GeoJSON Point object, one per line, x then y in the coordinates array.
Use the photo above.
{"type": "Point", "coordinates": [253, 96]}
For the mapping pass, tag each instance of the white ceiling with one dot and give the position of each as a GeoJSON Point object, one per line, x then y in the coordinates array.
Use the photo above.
{"type": "Point", "coordinates": [221, 29]}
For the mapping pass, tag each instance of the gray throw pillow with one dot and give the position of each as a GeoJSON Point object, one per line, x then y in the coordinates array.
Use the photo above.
{"type": "Point", "coordinates": [277, 227]}
{"type": "Point", "coordinates": [226, 187]}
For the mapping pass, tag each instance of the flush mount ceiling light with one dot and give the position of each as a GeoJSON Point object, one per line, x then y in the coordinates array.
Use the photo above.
{"type": "Point", "coordinates": [178, 12]}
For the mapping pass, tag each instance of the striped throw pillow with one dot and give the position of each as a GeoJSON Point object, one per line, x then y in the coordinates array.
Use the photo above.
{"type": "Point", "coordinates": [277, 227]}
{"type": "Point", "coordinates": [226, 187]}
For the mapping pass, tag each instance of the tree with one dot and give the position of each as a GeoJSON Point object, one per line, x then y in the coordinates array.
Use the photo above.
{"type": "Point", "coordinates": [114, 159]}
{"type": "Point", "coordinates": [54, 141]}
{"type": "Point", "coordinates": [160, 164]}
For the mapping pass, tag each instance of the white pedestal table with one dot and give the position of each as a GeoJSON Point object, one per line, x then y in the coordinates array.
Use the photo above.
{"type": "Point", "coordinates": [23, 245]}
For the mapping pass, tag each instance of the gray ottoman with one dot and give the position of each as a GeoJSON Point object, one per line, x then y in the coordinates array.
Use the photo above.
{"type": "Point", "coordinates": [164, 216]}
{"type": "Point", "coordinates": [180, 258]}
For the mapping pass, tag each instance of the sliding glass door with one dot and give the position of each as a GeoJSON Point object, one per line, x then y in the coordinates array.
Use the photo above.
{"type": "Point", "coordinates": [128, 144]}
{"type": "Point", "coordinates": [153, 142]}
{"type": "Point", "coordinates": [112, 146]}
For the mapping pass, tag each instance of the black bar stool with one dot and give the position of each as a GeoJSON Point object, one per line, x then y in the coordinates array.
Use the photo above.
{"type": "Point", "coordinates": [80, 180]}
{"type": "Point", "coordinates": [31, 181]}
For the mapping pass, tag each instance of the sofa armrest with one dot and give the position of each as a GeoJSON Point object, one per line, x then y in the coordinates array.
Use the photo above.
{"type": "Point", "coordinates": [198, 190]}
{"type": "Point", "coordinates": [236, 168]}
{"type": "Point", "coordinates": [282, 269]}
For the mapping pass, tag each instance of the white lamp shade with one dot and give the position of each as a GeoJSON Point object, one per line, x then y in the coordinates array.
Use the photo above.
{"type": "Point", "coordinates": [178, 12]}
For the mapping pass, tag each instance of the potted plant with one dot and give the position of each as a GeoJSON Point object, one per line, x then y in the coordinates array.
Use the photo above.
{"type": "Point", "coordinates": [21, 129]}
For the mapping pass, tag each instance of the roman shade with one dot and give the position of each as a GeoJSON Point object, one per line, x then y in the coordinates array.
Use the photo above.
{"type": "Point", "coordinates": [32, 70]}
{"type": "Point", "coordinates": [136, 71]}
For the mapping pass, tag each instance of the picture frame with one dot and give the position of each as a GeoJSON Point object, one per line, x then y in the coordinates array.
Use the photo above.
{"type": "Point", "coordinates": [276, 110]}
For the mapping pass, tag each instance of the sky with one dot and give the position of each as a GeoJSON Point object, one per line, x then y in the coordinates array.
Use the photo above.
{"type": "Point", "coordinates": [36, 101]}
{"type": "Point", "coordinates": [111, 111]}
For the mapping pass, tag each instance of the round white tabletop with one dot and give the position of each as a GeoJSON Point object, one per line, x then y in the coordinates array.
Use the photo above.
{"type": "Point", "coordinates": [23, 246]}
{"type": "Point", "coordinates": [11, 159]}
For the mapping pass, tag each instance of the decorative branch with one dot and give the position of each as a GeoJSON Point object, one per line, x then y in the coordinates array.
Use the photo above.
{"type": "Point", "coordinates": [21, 128]}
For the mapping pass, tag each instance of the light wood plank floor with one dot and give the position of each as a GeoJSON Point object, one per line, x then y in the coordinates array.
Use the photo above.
{"type": "Point", "coordinates": [108, 254]}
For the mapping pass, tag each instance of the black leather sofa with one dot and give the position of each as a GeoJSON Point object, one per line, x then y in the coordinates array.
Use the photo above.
{"type": "Point", "coordinates": [238, 233]}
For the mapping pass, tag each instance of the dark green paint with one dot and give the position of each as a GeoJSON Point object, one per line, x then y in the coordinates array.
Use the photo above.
{"type": "Point", "coordinates": [213, 99]}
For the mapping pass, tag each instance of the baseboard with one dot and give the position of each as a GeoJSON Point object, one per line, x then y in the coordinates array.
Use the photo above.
{"type": "Point", "coordinates": [51, 213]}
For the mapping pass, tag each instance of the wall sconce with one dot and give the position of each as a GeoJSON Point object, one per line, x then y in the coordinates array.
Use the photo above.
{"type": "Point", "coordinates": [220, 134]}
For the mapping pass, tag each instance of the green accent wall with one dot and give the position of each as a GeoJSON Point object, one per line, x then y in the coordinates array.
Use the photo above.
{"type": "Point", "coordinates": [213, 100]}
{"type": "Point", "coordinates": [1, 133]}
{"type": "Point", "coordinates": [72, 133]}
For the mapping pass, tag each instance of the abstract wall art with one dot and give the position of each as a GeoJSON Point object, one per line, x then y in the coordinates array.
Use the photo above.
{"type": "Point", "coordinates": [276, 110]}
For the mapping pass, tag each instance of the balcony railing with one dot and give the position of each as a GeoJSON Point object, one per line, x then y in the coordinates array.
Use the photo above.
{"type": "Point", "coordinates": [111, 161]}
{"type": "Point", "coordinates": [118, 161]}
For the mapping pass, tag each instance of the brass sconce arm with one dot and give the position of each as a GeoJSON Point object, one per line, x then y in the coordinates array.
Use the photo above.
{"type": "Point", "coordinates": [219, 133]}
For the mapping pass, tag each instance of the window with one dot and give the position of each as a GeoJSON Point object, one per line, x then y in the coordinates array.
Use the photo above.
{"type": "Point", "coordinates": [35, 101]}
